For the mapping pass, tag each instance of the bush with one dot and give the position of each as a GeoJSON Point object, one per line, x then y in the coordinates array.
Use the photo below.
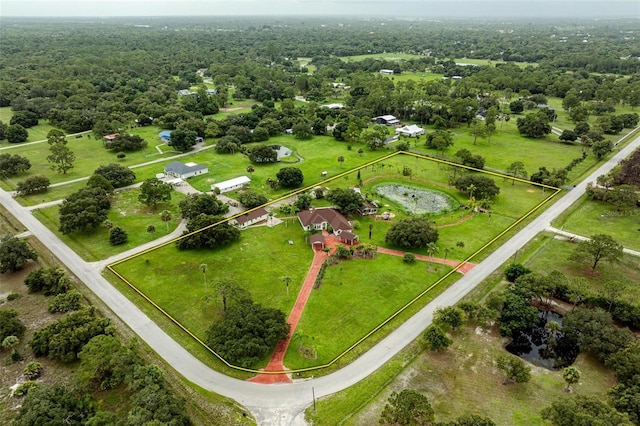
{"type": "Point", "coordinates": [66, 302]}
{"type": "Point", "coordinates": [33, 370]}
{"type": "Point", "coordinates": [13, 296]}
{"type": "Point", "coordinates": [514, 271]}
{"type": "Point", "coordinates": [415, 232]}
{"type": "Point", "coordinates": [409, 258]}
{"type": "Point", "coordinates": [25, 388]}
{"type": "Point", "coordinates": [117, 236]}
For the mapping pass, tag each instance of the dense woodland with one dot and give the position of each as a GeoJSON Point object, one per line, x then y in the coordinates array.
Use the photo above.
{"type": "Point", "coordinates": [111, 75]}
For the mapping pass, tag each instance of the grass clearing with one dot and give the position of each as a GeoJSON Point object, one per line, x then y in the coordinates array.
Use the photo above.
{"type": "Point", "coordinates": [128, 213]}
{"type": "Point", "coordinates": [384, 56]}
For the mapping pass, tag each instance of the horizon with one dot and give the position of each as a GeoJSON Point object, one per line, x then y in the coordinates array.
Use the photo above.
{"type": "Point", "coordinates": [417, 9]}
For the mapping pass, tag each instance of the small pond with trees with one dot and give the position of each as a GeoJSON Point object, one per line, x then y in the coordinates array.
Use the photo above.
{"type": "Point", "coordinates": [417, 201]}
{"type": "Point", "coordinates": [544, 344]}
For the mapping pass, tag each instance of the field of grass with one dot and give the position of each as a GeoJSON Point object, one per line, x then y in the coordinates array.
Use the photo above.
{"type": "Point", "coordinates": [383, 56]}
{"type": "Point", "coordinates": [596, 217]}
{"type": "Point", "coordinates": [126, 212]}
{"type": "Point", "coordinates": [553, 255]}
{"type": "Point", "coordinates": [357, 295]}
{"type": "Point", "coordinates": [490, 62]}
{"type": "Point", "coordinates": [464, 379]}
{"type": "Point", "coordinates": [36, 133]}
{"type": "Point", "coordinates": [415, 76]}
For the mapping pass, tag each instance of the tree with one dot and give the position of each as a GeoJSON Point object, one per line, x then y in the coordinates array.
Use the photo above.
{"type": "Point", "coordinates": [106, 363]}
{"type": "Point", "coordinates": [50, 281]}
{"type": "Point", "coordinates": [483, 187]}
{"type": "Point", "coordinates": [64, 338]}
{"type": "Point", "coordinates": [584, 410]}
{"type": "Point", "coordinates": [413, 232]}
{"type": "Point", "coordinates": [16, 133]}
{"type": "Point", "coordinates": [203, 268]}
{"type": "Point", "coordinates": [227, 144]}
{"type": "Point", "coordinates": [182, 139]}
{"type": "Point", "coordinates": [127, 143]}
{"type": "Point", "coordinates": [33, 185]}
{"type": "Point", "coordinates": [535, 125]}
{"type": "Point", "coordinates": [374, 136]}
{"type": "Point", "coordinates": [302, 130]}
{"type": "Point", "coordinates": [98, 181]}
{"type": "Point", "coordinates": [516, 107]}
{"type": "Point", "coordinates": [251, 199]}
{"type": "Point", "coordinates": [436, 338]}
{"type": "Point", "coordinates": [14, 254]}
{"type": "Point", "coordinates": [600, 149]}
{"type": "Point", "coordinates": [263, 154]}
{"type": "Point", "coordinates": [117, 236]}
{"type": "Point", "coordinates": [471, 420]}
{"type": "Point", "coordinates": [347, 200]}
{"type": "Point", "coordinates": [571, 376]}
{"type": "Point", "coordinates": [24, 118]}
{"type": "Point", "coordinates": [448, 316]}
{"type": "Point", "coordinates": [517, 169]}
{"type": "Point", "coordinates": [303, 202]}
{"type": "Point", "coordinates": [568, 136]}
{"type": "Point", "coordinates": [407, 408]}
{"type": "Point", "coordinates": [440, 140]}
{"type": "Point", "coordinates": [290, 177]}
{"type": "Point", "coordinates": [210, 236]}
{"type": "Point", "coordinates": [11, 165]}
{"type": "Point", "coordinates": [84, 209]}
{"type": "Point", "coordinates": [477, 129]}
{"type": "Point", "coordinates": [10, 324]}
{"type": "Point", "coordinates": [247, 333]}
{"type": "Point", "coordinates": [57, 404]}
{"type": "Point", "coordinates": [230, 291]}
{"type": "Point", "coordinates": [196, 204]}
{"type": "Point", "coordinates": [514, 369]}
{"type": "Point", "coordinates": [467, 159]}
{"type": "Point", "coordinates": [340, 160]}
{"type": "Point", "coordinates": [516, 314]}
{"type": "Point", "coordinates": [250, 169]}
{"type": "Point", "coordinates": [515, 271]}
{"type": "Point", "coordinates": [599, 247]}
{"type": "Point", "coordinates": [165, 216]}
{"type": "Point", "coordinates": [116, 174]}
{"type": "Point", "coordinates": [154, 191]}
{"type": "Point", "coordinates": [151, 229]}
{"type": "Point", "coordinates": [61, 158]}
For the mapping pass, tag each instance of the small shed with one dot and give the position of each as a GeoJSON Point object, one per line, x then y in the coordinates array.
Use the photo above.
{"type": "Point", "coordinates": [231, 184]}
{"type": "Point", "coordinates": [387, 120]}
{"type": "Point", "coordinates": [165, 135]}
{"type": "Point", "coordinates": [386, 72]}
{"type": "Point", "coordinates": [246, 220]}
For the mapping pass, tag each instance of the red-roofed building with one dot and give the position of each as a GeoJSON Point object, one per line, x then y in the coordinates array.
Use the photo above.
{"type": "Point", "coordinates": [324, 218]}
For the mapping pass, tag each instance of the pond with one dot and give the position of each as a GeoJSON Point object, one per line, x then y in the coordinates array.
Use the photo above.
{"type": "Point", "coordinates": [282, 151]}
{"type": "Point", "coordinates": [539, 346]}
{"type": "Point", "coordinates": [417, 201]}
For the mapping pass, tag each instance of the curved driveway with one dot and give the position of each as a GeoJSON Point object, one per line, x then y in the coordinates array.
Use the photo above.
{"type": "Point", "coordinates": [283, 404]}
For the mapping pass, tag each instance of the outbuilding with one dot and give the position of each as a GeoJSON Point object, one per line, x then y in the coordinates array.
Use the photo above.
{"type": "Point", "coordinates": [411, 131]}
{"type": "Point", "coordinates": [184, 171]}
{"type": "Point", "coordinates": [231, 184]}
{"type": "Point", "coordinates": [387, 120]}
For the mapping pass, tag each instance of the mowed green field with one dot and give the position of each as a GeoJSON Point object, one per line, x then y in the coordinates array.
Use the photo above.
{"type": "Point", "coordinates": [36, 133]}
{"type": "Point", "coordinates": [126, 212]}
{"type": "Point", "coordinates": [383, 56]}
{"type": "Point", "coordinates": [256, 262]}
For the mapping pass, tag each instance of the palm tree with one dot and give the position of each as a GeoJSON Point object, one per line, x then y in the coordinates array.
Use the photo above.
{"type": "Point", "coordinates": [151, 229]}
{"type": "Point", "coordinates": [165, 216]}
{"type": "Point", "coordinates": [571, 375]}
{"type": "Point", "coordinates": [203, 269]}
{"type": "Point", "coordinates": [250, 169]}
{"type": "Point", "coordinates": [432, 248]}
{"type": "Point", "coordinates": [341, 160]}
{"type": "Point", "coordinates": [471, 188]}
{"type": "Point", "coordinates": [287, 280]}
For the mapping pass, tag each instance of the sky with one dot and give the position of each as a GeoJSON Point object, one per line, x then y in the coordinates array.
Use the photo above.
{"type": "Point", "coordinates": [403, 8]}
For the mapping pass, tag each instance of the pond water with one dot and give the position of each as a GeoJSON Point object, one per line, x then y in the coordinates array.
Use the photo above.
{"type": "Point", "coordinates": [543, 348]}
{"type": "Point", "coordinates": [282, 151]}
{"type": "Point", "coordinates": [417, 201]}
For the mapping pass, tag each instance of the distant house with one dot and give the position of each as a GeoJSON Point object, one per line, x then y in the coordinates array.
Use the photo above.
{"type": "Point", "coordinates": [184, 171]}
{"type": "Point", "coordinates": [109, 138]}
{"type": "Point", "coordinates": [411, 131]}
{"type": "Point", "coordinates": [368, 208]}
{"type": "Point", "coordinates": [323, 218]}
{"type": "Point", "coordinates": [333, 106]}
{"type": "Point", "coordinates": [456, 77]}
{"type": "Point", "coordinates": [231, 184]}
{"type": "Point", "coordinates": [386, 72]}
{"type": "Point", "coordinates": [251, 218]}
{"type": "Point", "coordinates": [185, 92]}
{"type": "Point", "coordinates": [211, 91]}
{"type": "Point", "coordinates": [387, 120]}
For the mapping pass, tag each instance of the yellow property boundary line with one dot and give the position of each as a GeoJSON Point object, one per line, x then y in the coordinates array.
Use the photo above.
{"type": "Point", "coordinates": [111, 267]}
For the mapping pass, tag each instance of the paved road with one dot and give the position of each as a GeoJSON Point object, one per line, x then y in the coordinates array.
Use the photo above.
{"type": "Point", "coordinates": [283, 404]}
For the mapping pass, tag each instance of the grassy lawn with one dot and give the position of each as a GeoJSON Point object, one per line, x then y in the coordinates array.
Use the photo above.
{"type": "Point", "coordinates": [356, 296]}
{"type": "Point", "coordinates": [590, 217]}
{"type": "Point", "coordinates": [415, 76]}
{"type": "Point", "coordinates": [553, 255]}
{"type": "Point", "coordinates": [259, 250]}
{"type": "Point", "coordinates": [490, 62]}
{"type": "Point", "coordinates": [126, 212]}
{"type": "Point", "coordinates": [36, 133]}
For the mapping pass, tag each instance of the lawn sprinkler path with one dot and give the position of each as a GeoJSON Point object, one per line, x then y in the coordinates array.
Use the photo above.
{"type": "Point", "coordinates": [276, 363]}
